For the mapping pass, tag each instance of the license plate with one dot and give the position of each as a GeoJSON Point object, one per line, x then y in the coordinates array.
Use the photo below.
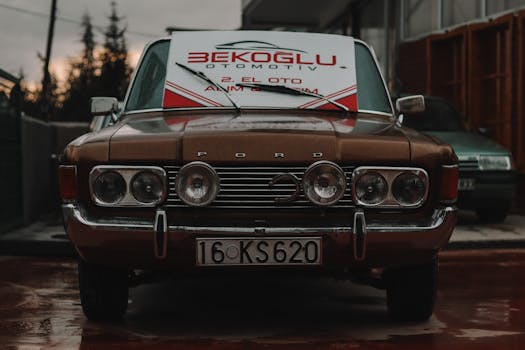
{"type": "Point", "coordinates": [466, 184]}
{"type": "Point", "coordinates": [258, 251]}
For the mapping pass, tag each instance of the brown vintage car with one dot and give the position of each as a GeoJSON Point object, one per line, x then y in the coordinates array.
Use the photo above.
{"type": "Point", "coordinates": [217, 167]}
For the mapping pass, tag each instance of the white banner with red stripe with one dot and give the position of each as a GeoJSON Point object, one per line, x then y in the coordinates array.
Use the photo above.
{"type": "Point", "coordinates": [318, 63]}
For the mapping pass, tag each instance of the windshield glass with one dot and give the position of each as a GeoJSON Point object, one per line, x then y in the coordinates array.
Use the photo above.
{"type": "Point", "coordinates": [147, 91]}
{"type": "Point", "coordinates": [148, 86]}
{"type": "Point", "coordinates": [439, 115]}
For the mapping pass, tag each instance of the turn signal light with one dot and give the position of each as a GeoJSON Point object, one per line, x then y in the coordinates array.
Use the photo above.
{"type": "Point", "coordinates": [449, 183]}
{"type": "Point", "coordinates": [67, 179]}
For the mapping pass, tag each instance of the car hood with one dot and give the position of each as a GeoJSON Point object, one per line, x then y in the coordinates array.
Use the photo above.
{"type": "Point", "coordinates": [469, 143]}
{"type": "Point", "coordinates": [258, 137]}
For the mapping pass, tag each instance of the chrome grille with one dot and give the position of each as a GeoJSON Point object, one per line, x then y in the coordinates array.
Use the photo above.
{"type": "Point", "coordinates": [248, 187]}
{"type": "Point", "coordinates": [469, 164]}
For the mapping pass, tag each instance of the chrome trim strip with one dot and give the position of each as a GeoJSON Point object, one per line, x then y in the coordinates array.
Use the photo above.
{"type": "Point", "coordinates": [359, 236]}
{"type": "Point", "coordinates": [152, 110]}
{"type": "Point", "coordinates": [161, 234]}
{"type": "Point", "coordinates": [438, 218]}
{"type": "Point", "coordinates": [75, 212]}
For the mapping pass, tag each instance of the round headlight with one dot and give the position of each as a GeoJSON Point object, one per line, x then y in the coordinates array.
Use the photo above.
{"type": "Point", "coordinates": [371, 188]}
{"type": "Point", "coordinates": [197, 184]}
{"type": "Point", "coordinates": [324, 183]}
{"type": "Point", "coordinates": [109, 187]}
{"type": "Point", "coordinates": [409, 188]}
{"type": "Point", "coordinates": [147, 187]}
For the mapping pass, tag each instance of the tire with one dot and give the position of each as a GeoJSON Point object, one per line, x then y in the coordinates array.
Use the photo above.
{"type": "Point", "coordinates": [103, 292]}
{"type": "Point", "coordinates": [492, 215]}
{"type": "Point", "coordinates": [411, 292]}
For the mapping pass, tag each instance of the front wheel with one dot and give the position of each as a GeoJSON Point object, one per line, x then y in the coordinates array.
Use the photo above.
{"type": "Point", "coordinates": [103, 291]}
{"type": "Point", "coordinates": [411, 291]}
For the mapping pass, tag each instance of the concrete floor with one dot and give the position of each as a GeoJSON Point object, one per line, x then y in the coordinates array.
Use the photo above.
{"type": "Point", "coordinates": [481, 305]}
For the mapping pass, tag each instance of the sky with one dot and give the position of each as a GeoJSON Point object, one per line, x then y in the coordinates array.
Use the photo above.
{"type": "Point", "coordinates": [23, 31]}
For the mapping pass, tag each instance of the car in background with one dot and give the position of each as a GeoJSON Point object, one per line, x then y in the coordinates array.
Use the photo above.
{"type": "Point", "coordinates": [487, 178]}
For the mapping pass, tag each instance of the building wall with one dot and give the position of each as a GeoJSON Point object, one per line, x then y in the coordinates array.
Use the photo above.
{"type": "Point", "coordinates": [479, 67]}
{"type": "Point", "coordinates": [41, 142]}
{"type": "Point", "coordinates": [420, 18]}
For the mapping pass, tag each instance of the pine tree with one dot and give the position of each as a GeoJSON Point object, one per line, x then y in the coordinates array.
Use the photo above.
{"type": "Point", "coordinates": [115, 71]}
{"type": "Point", "coordinates": [45, 107]}
{"type": "Point", "coordinates": [82, 80]}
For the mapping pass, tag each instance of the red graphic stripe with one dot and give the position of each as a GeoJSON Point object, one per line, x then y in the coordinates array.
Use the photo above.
{"type": "Point", "coordinates": [352, 87]}
{"type": "Point", "coordinates": [172, 99]}
{"type": "Point", "coordinates": [349, 101]}
{"type": "Point", "coordinates": [334, 94]}
{"type": "Point", "coordinates": [193, 94]}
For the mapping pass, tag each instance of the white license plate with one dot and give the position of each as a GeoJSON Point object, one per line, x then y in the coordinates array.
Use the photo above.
{"type": "Point", "coordinates": [258, 251]}
{"type": "Point", "coordinates": [466, 184]}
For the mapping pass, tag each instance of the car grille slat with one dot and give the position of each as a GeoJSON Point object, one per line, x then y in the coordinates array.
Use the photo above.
{"type": "Point", "coordinates": [248, 188]}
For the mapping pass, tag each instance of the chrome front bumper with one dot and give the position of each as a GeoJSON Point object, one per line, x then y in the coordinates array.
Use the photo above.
{"type": "Point", "coordinates": [96, 233]}
{"type": "Point", "coordinates": [75, 212]}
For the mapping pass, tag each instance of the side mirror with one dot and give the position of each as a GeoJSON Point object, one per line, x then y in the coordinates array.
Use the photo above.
{"type": "Point", "coordinates": [411, 104]}
{"type": "Point", "coordinates": [103, 105]}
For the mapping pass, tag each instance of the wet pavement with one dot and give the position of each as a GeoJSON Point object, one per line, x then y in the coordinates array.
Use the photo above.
{"type": "Point", "coordinates": [481, 305]}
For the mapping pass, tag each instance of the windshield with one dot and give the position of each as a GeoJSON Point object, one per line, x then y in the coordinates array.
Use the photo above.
{"type": "Point", "coordinates": [147, 89]}
{"type": "Point", "coordinates": [439, 115]}
{"type": "Point", "coordinates": [148, 86]}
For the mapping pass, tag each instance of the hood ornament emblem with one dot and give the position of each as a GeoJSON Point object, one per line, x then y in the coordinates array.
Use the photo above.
{"type": "Point", "coordinates": [286, 177]}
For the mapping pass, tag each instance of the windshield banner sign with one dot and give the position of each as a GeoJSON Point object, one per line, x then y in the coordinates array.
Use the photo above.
{"type": "Point", "coordinates": [221, 69]}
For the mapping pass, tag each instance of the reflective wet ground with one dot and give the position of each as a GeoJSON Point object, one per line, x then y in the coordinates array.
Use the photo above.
{"type": "Point", "coordinates": [481, 305]}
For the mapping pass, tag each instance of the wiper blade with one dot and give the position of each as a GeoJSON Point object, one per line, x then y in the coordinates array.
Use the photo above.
{"type": "Point", "coordinates": [208, 80]}
{"type": "Point", "coordinates": [291, 91]}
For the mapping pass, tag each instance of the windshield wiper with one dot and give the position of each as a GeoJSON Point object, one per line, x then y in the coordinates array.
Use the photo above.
{"type": "Point", "coordinates": [208, 80]}
{"type": "Point", "coordinates": [282, 89]}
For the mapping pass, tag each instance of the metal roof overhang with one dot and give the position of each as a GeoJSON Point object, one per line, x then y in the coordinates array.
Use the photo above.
{"type": "Point", "coordinates": [309, 15]}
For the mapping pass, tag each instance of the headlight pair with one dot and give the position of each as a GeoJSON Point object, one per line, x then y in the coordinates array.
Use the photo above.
{"type": "Point", "coordinates": [127, 185]}
{"type": "Point", "coordinates": [390, 187]}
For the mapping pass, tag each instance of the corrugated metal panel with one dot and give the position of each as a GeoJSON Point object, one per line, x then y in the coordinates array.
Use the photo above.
{"type": "Point", "coordinates": [519, 96]}
{"type": "Point", "coordinates": [447, 67]}
{"type": "Point", "coordinates": [490, 77]}
{"type": "Point", "coordinates": [413, 63]}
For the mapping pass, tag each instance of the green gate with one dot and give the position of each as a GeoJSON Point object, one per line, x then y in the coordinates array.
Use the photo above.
{"type": "Point", "coordinates": [11, 214]}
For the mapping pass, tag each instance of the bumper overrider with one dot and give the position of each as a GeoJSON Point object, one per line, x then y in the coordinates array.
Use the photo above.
{"type": "Point", "coordinates": [160, 243]}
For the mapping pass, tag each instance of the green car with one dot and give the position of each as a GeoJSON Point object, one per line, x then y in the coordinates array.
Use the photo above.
{"type": "Point", "coordinates": [487, 177]}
